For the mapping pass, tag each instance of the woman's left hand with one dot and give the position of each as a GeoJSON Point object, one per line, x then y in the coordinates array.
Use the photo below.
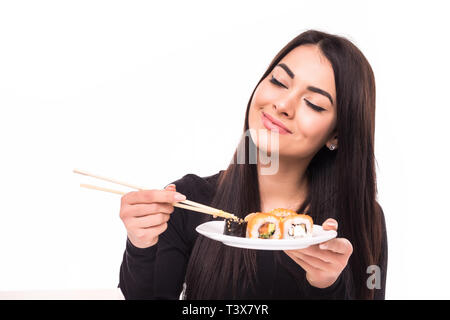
{"type": "Point", "coordinates": [323, 262]}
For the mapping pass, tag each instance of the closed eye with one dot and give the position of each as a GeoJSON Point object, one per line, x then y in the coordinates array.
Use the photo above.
{"type": "Point", "coordinates": [277, 83]}
{"type": "Point", "coordinates": [313, 106]}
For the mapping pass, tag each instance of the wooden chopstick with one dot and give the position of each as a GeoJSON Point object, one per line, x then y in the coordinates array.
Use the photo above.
{"type": "Point", "coordinates": [90, 186]}
{"type": "Point", "coordinates": [199, 205]}
{"type": "Point", "coordinates": [218, 212]}
{"type": "Point", "coordinates": [186, 204]}
{"type": "Point", "coordinates": [214, 212]}
{"type": "Point", "coordinates": [107, 179]}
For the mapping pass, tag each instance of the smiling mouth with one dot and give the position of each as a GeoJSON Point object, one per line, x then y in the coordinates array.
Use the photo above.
{"type": "Point", "coordinates": [270, 125]}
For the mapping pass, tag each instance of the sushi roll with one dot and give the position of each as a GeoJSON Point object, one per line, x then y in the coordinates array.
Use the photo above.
{"type": "Point", "coordinates": [297, 226]}
{"type": "Point", "coordinates": [282, 213]}
{"type": "Point", "coordinates": [262, 225]}
{"type": "Point", "coordinates": [237, 228]}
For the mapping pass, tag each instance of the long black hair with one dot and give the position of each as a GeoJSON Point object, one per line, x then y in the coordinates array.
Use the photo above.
{"type": "Point", "coordinates": [342, 183]}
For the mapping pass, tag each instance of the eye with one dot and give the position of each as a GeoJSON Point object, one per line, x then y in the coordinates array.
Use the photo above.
{"type": "Point", "coordinates": [277, 83]}
{"type": "Point", "coordinates": [313, 106]}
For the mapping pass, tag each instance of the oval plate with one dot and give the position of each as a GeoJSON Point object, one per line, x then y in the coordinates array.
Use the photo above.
{"type": "Point", "coordinates": [214, 230]}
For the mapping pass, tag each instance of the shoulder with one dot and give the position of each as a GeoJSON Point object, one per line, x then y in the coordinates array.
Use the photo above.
{"type": "Point", "coordinates": [198, 188]}
{"type": "Point", "coordinates": [383, 231]}
{"type": "Point", "coordinates": [383, 257]}
{"type": "Point", "coordinates": [380, 212]}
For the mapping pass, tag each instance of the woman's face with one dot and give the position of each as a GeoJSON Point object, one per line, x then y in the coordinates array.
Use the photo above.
{"type": "Point", "coordinates": [303, 101]}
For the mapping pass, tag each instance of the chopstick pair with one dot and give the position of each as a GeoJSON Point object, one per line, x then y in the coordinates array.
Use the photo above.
{"type": "Point", "coordinates": [186, 204]}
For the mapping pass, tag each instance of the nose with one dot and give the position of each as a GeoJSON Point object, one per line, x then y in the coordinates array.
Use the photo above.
{"type": "Point", "coordinates": [285, 107]}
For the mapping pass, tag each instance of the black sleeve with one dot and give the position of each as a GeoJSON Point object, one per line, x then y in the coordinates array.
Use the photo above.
{"type": "Point", "coordinates": [380, 293]}
{"type": "Point", "coordinates": [158, 272]}
{"type": "Point", "coordinates": [337, 291]}
{"type": "Point", "coordinates": [136, 272]}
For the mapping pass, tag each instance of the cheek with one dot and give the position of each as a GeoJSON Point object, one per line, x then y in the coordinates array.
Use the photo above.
{"type": "Point", "coordinates": [263, 94]}
{"type": "Point", "coordinates": [259, 100]}
{"type": "Point", "coordinates": [311, 126]}
{"type": "Point", "coordinates": [253, 118]}
{"type": "Point", "coordinates": [314, 128]}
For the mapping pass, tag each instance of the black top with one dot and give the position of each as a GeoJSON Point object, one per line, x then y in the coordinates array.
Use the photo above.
{"type": "Point", "coordinates": [158, 272]}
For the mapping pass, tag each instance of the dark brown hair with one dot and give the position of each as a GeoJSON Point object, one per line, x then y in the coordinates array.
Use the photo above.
{"type": "Point", "coordinates": [342, 183]}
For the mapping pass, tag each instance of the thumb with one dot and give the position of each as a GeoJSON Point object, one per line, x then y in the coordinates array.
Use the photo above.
{"type": "Point", "coordinates": [330, 224]}
{"type": "Point", "coordinates": [170, 187]}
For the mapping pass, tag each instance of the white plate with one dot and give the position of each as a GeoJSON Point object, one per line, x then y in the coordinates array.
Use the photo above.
{"type": "Point", "coordinates": [214, 230]}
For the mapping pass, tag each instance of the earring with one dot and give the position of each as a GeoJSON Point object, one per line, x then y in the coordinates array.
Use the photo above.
{"type": "Point", "coordinates": [332, 147]}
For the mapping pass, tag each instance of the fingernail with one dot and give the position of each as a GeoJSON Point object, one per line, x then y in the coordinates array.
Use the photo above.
{"type": "Point", "coordinates": [332, 224]}
{"type": "Point", "coordinates": [179, 196]}
{"type": "Point", "coordinates": [323, 246]}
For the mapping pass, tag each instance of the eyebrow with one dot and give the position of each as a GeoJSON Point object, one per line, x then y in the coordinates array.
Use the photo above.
{"type": "Point", "coordinates": [310, 88]}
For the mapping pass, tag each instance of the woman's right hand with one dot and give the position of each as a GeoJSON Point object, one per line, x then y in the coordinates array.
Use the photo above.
{"type": "Point", "coordinates": [145, 214]}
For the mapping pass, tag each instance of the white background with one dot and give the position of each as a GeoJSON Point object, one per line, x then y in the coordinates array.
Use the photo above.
{"type": "Point", "coordinates": [146, 92]}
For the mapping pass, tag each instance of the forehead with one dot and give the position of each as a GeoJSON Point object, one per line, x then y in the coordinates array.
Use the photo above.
{"type": "Point", "coordinates": [310, 67]}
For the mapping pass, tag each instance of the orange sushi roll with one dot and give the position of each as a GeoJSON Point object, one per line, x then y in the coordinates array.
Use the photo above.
{"type": "Point", "coordinates": [278, 224]}
{"type": "Point", "coordinates": [261, 225]}
{"type": "Point", "coordinates": [282, 213]}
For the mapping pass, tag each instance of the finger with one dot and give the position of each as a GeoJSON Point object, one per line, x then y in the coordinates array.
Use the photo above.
{"type": "Point", "coordinates": [159, 228]}
{"type": "Point", "coordinates": [305, 265]}
{"type": "Point", "coordinates": [330, 224]}
{"type": "Point", "coordinates": [150, 232]}
{"type": "Point", "coordinates": [338, 245]}
{"type": "Point", "coordinates": [150, 221]}
{"type": "Point", "coordinates": [145, 209]}
{"type": "Point", "coordinates": [150, 196]}
{"type": "Point", "coordinates": [313, 261]}
{"type": "Point", "coordinates": [324, 255]}
{"type": "Point", "coordinates": [170, 187]}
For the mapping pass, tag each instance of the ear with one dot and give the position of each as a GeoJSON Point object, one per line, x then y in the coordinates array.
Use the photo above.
{"type": "Point", "coordinates": [332, 141]}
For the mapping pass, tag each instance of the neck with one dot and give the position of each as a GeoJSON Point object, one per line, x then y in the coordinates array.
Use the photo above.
{"type": "Point", "coordinates": [286, 188]}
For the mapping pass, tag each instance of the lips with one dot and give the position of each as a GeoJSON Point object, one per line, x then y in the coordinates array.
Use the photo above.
{"type": "Point", "coordinates": [273, 124]}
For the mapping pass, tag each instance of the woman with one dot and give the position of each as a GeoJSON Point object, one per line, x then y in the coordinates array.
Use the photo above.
{"type": "Point", "coordinates": [318, 95]}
